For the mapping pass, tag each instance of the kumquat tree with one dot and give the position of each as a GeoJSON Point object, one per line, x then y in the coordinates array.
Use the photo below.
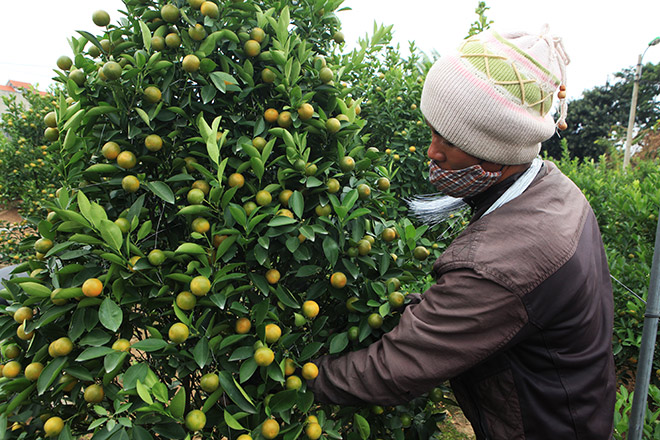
{"type": "Point", "coordinates": [222, 221]}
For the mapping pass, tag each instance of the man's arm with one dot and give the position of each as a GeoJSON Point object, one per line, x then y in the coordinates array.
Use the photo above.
{"type": "Point", "coordinates": [460, 321]}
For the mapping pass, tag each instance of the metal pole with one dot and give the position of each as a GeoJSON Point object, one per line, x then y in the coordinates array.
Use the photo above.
{"type": "Point", "coordinates": [645, 364]}
{"type": "Point", "coordinates": [633, 109]}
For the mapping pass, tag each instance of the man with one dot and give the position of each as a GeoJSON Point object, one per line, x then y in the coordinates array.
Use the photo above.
{"type": "Point", "coordinates": [520, 317]}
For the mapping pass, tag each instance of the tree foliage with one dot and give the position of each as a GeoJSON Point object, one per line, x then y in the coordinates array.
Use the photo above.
{"type": "Point", "coordinates": [600, 117]}
{"type": "Point", "coordinates": [201, 251]}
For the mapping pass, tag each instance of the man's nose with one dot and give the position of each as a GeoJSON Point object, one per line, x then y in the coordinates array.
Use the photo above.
{"type": "Point", "coordinates": [435, 153]}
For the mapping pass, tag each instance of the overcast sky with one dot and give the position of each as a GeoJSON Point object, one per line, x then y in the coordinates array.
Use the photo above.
{"type": "Point", "coordinates": [601, 37]}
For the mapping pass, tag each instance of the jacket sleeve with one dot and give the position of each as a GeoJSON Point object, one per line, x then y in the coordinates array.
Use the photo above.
{"type": "Point", "coordinates": [461, 320]}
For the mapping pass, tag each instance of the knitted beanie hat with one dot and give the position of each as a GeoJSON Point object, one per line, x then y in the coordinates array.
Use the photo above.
{"type": "Point", "coordinates": [492, 98]}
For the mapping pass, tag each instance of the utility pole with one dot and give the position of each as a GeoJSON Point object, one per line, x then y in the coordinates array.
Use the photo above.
{"type": "Point", "coordinates": [633, 104]}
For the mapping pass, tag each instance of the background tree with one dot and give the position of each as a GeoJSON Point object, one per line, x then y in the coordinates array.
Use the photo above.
{"type": "Point", "coordinates": [602, 114]}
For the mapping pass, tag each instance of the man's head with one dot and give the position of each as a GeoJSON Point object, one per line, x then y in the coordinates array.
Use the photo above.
{"type": "Point", "coordinates": [492, 98]}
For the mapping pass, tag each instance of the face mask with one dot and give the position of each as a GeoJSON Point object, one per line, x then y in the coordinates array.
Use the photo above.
{"type": "Point", "coordinates": [466, 182]}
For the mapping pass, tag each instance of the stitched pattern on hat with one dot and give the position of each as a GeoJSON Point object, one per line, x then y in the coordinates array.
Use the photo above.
{"type": "Point", "coordinates": [501, 72]}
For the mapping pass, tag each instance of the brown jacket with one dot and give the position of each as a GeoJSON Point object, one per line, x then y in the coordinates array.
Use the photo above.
{"type": "Point", "coordinates": [520, 320]}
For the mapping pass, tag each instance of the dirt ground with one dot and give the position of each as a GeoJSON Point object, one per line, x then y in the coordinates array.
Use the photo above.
{"type": "Point", "coordinates": [461, 424]}
{"type": "Point", "coordinates": [10, 215]}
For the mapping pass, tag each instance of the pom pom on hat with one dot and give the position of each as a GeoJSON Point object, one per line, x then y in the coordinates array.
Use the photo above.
{"type": "Point", "coordinates": [492, 98]}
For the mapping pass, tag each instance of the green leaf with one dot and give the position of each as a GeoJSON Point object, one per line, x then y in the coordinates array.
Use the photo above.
{"type": "Point", "coordinates": [275, 372]}
{"type": "Point", "coordinates": [212, 399]}
{"type": "Point", "coordinates": [162, 190]}
{"type": "Point", "coordinates": [201, 352]}
{"type": "Point", "coordinates": [136, 208]}
{"type": "Point", "coordinates": [288, 139]}
{"type": "Point", "coordinates": [305, 401]}
{"type": "Point", "coordinates": [91, 38]}
{"type": "Point", "coordinates": [286, 297]}
{"type": "Point", "coordinates": [150, 344]}
{"type": "Point", "coordinates": [231, 339]}
{"type": "Point", "coordinates": [3, 425]}
{"type": "Point", "coordinates": [212, 147]}
{"type": "Point", "coordinates": [308, 232]}
{"type": "Point", "coordinates": [310, 350]}
{"type": "Point", "coordinates": [113, 258]}
{"type": "Point", "coordinates": [219, 78]}
{"type": "Point", "coordinates": [143, 392]}
{"type": "Point", "coordinates": [100, 110]}
{"type": "Point", "coordinates": [96, 338]}
{"type": "Point", "coordinates": [84, 206]}
{"type": "Point", "coordinates": [193, 210]}
{"type": "Point", "coordinates": [146, 35]}
{"type": "Point", "coordinates": [139, 433]}
{"type": "Point", "coordinates": [178, 403]}
{"type": "Point", "coordinates": [74, 122]}
{"type": "Point", "coordinates": [238, 213]}
{"type": "Point", "coordinates": [307, 271]}
{"type": "Point", "coordinates": [209, 43]}
{"type": "Point", "coordinates": [283, 401]}
{"type": "Point", "coordinates": [190, 248]}
{"type": "Point", "coordinates": [232, 422]}
{"type": "Point", "coordinates": [160, 391]}
{"type": "Point", "coordinates": [248, 367]}
{"type": "Point", "coordinates": [100, 169]}
{"type": "Point", "coordinates": [111, 234]}
{"type": "Point", "coordinates": [144, 116]}
{"type": "Point", "coordinates": [82, 239]}
{"type": "Point", "coordinates": [19, 398]}
{"type": "Point", "coordinates": [144, 230]}
{"type": "Point", "coordinates": [235, 392]}
{"type": "Point", "coordinates": [241, 353]}
{"type": "Point", "coordinates": [292, 244]}
{"type": "Point", "coordinates": [71, 216]}
{"type": "Point", "coordinates": [35, 289]}
{"type": "Point", "coordinates": [93, 353]}
{"type": "Point", "coordinates": [338, 343]}
{"type": "Point", "coordinates": [113, 360]}
{"type": "Point", "coordinates": [331, 250]}
{"type": "Point", "coordinates": [79, 373]}
{"type": "Point", "coordinates": [281, 220]}
{"type": "Point", "coordinates": [219, 299]}
{"type": "Point", "coordinates": [54, 313]}
{"type": "Point", "coordinates": [297, 203]}
{"type": "Point", "coordinates": [50, 373]}
{"type": "Point", "coordinates": [134, 373]}
{"type": "Point", "coordinates": [350, 199]}
{"type": "Point", "coordinates": [110, 315]}
{"type": "Point", "coordinates": [257, 167]}
{"type": "Point", "coordinates": [362, 425]}
{"type": "Point", "coordinates": [357, 213]}
{"type": "Point", "coordinates": [254, 221]}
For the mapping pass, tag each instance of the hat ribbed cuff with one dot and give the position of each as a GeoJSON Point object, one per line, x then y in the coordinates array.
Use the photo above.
{"type": "Point", "coordinates": [478, 117]}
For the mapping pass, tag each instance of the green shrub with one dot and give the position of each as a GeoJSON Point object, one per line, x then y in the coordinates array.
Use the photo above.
{"type": "Point", "coordinates": [626, 206]}
{"type": "Point", "coordinates": [27, 167]}
{"type": "Point", "coordinates": [396, 125]}
{"type": "Point", "coordinates": [623, 407]}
